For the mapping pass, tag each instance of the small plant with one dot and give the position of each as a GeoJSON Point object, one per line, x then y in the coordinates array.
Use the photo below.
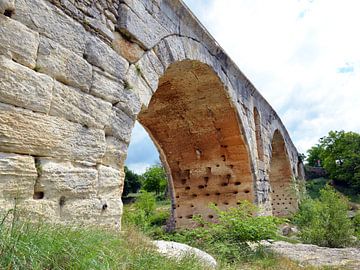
{"type": "Point", "coordinates": [325, 221]}
{"type": "Point", "coordinates": [138, 70]}
{"type": "Point", "coordinates": [127, 85]}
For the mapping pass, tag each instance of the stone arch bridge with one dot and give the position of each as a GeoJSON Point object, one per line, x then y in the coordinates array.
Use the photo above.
{"type": "Point", "coordinates": [76, 74]}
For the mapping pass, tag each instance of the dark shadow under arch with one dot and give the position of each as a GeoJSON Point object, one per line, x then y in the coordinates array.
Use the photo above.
{"type": "Point", "coordinates": [197, 131]}
{"type": "Point", "coordinates": [283, 199]}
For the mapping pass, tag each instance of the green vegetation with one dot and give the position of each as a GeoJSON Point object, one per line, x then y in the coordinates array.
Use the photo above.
{"type": "Point", "coordinates": [324, 221]}
{"type": "Point", "coordinates": [132, 183]}
{"type": "Point", "coordinates": [40, 246]}
{"type": "Point", "coordinates": [339, 154]}
{"type": "Point", "coordinates": [154, 180]}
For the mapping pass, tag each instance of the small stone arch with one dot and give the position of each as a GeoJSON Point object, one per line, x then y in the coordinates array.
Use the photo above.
{"type": "Point", "coordinates": [283, 197]}
{"type": "Point", "coordinates": [197, 131]}
{"type": "Point", "coordinates": [258, 136]}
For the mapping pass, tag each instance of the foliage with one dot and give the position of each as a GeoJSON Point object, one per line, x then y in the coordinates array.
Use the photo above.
{"type": "Point", "coordinates": [324, 221]}
{"type": "Point", "coordinates": [356, 222]}
{"type": "Point", "coordinates": [154, 179]}
{"type": "Point", "coordinates": [339, 153]}
{"type": "Point", "coordinates": [229, 237]}
{"type": "Point", "coordinates": [132, 183]}
{"type": "Point", "coordinates": [25, 245]}
{"type": "Point", "coordinates": [144, 215]}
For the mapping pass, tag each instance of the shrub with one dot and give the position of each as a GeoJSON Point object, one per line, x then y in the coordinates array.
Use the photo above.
{"type": "Point", "coordinates": [325, 221]}
{"type": "Point", "coordinates": [229, 237]}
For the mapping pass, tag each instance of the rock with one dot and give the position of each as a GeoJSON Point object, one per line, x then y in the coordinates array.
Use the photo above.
{"type": "Point", "coordinates": [77, 106]}
{"type": "Point", "coordinates": [58, 179]}
{"type": "Point", "coordinates": [115, 153]}
{"type": "Point", "coordinates": [129, 50]}
{"type": "Point", "coordinates": [25, 132]}
{"type": "Point", "coordinates": [142, 27]}
{"type": "Point", "coordinates": [17, 176]}
{"type": "Point", "coordinates": [63, 65]}
{"type": "Point", "coordinates": [288, 230]}
{"type": "Point", "coordinates": [51, 22]}
{"type": "Point", "coordinates": [102, 56]}
{"type": "Point", "coordinates": [7, 5]}
{"type": "Point", "coordinates": [317, 256]}
{"type": "Point", "coordinates": [111, 182]}
{"type": "Point", "coordinates": [24, 87]}
{"type": "Point", "coordinates": [120, 125]}
{"type": "Point", "coordinates": [178, 251]}
{"type": "Point", "coordinates": [18, 41]}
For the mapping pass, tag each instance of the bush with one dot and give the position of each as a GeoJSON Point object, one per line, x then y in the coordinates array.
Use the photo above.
{"type": "Point", "coordinates": [229, 238]}
{"type": "Point", "coordinates": [325, 221]}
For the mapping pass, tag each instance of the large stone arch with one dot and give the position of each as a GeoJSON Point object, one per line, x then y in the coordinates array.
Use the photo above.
{"type": "Point", "coordinates": [74, 75]}
{"type": "Point", "coordinates": [196, 128]}
{"type": "Point", "coordinates": [283, 195]}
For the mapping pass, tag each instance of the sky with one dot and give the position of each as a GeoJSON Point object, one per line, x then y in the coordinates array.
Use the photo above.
{"type": "Point", "coordinates": [302, 55]}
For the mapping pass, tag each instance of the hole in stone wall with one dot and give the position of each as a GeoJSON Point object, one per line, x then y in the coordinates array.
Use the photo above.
{"type": "Point", "coordinates": [235, 192]}
{"type": "Point", "coordinates": [247, 191]}
{"type": "Point", "coordinates": [8, 13]}
{"type": "Point", "coordinates": [207, 194]}
{"type": "Point", "coordinates": [62, 201]}
{"type": "Point", "coordinates": [38, 195]}
{"type": "Point", "coordinates": [237, 183]}
{"type": "Point", "coordinates": [201, 187]}
{"type": "Point", "coordinates": [224, 184]}
{"type": "Point", "coordinates": [226, 203]}
{"type": "Point", "coordinates": [104, 207]}
{"type": "Point", "coordinates": [194, 195]}
{"type": "Point", "coordinates": [187, 188]}
{"type": "Point", "coordinates": [191, 205]}
{"type": "Point", "coordinates": [217, 193]}
{"type": "Point", "coordinates": [189, 216]}
{"type": "Point", "coordinates": [223, 158]}
{"type": "Point", "coordinates": [183, 181]}
{"type": "Point", "coordinates": [210, 216]}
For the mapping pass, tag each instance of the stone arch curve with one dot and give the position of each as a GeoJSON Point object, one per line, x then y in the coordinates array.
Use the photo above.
{"type": "Point", "coordinates": [283, 197]}
{"type": "Point", "coordinates": [196, 128]}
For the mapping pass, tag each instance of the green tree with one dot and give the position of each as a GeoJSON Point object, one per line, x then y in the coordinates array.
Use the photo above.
{"type": "Point", "coordinates": [325, 221]}
{"type": "Point", "coordinates": [154, 179]}
{"type": "Point", "coordinates": [339, 153]}
{"type": "Point", "coordinates": [132, 183]}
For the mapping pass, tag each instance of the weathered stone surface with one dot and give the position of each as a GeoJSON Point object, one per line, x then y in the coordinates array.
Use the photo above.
{"type": "Point", "coordinates": [120, 125]}
{"type": "Point", "coordinates": [317, 256]}
{"type": "Point", "coordinates": [24, 87]}
{"type": "Point", "coordinates": [17, 176]}
{"type": "Point", "coordinates": [99, 27]}
{"type": "Point", "coordinates": [64, 65]}
{"type": "Point", "coordinates": [102, 56]}
{"type": "Point", "coordinates": [138, 85]}
{"type": "Point", "coordinates": [106, 87]}
{"type": "Point", "coordinates": [25, 132]}
{"type": "Point", "coordinates": [151, 69]}
{"type": "Point", "coordinates": [6, 5]}
{"type": "Point", "coordinates": [115, 153]}
{"type": "Point", "coordinates": [111, 182]}
{"type": "Point", "coordinates": [18, 41]}
{"type": "Point", "coordinates": [129, 50]}
{"type": "Point", "coordinates": [179, 251]}
{"type": "Point", "coordinates": [49, 21]}
{"type": "Point", "coordinates": [138, 26]}
{"type": "Point", "coordinates": [64, 179]}
{"type": "Point", "coordinates": [77, 106]}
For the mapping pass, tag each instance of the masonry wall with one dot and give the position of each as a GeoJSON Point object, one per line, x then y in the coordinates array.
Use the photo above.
{"type": "Point", "coordinates": [74, 75]}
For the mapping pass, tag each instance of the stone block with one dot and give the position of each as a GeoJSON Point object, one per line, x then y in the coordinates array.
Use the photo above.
{"type": "Point", "coordinates": [131, 51]}
{"type": "Point", "coordinates": [142, 26]}
{"type": "Point", "coordinates": [18, 41]}
{"type": "Point", "coordinates": [17, 176]}
{"type": "Point", "coordinates": [139, 86]}
{"type": "Point", "coordinates": [111, 182]}
{"type": "Point", "coordinates": [48, 20]}
{"type": "Point", "coordinates": [115, 153]}
{"type": "Point", "coordinates": [151, 69]}
{"type": "Point", "coordinates": [77, 106]}
{"type": "Point", "coordinates": [64, 179]}
{"type": "Point", "coordinates": [36, 134]}
{"type": "Point", "coordinates": [24, 87]}
{"type": "Point", "coordinates": [104, 57]}
{"type": "Point", "coordinates": [120, 125]}
{"type": "Point", "coordinates": [63, 65]}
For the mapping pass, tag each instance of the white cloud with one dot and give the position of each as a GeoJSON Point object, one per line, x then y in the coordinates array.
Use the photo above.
{"type": "Point", "coordinates": [295, 52]}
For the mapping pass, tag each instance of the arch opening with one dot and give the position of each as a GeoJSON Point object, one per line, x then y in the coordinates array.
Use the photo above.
{"type": "Point", "coordinates": [198, 134]}
{"type": "Point", "coordinates": [283, 197]}
{"type": "Point", "coordinates": [259, 141]}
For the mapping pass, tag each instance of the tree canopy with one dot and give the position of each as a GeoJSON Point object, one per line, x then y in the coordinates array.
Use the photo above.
{"type": "Point", "coordinates": [339, 155]}
{"type": "Point", "coordinates": [154, 179]}
{"type": "Point", "coordinates": [132, 183]}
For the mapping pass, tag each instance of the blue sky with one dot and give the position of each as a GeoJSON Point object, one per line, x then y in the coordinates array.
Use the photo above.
{"type": "Point", "coordinates": [302, 55]}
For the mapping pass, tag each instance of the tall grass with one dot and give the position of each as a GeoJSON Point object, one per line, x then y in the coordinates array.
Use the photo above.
{"type": "Point", "coordinates": [26, 245]}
